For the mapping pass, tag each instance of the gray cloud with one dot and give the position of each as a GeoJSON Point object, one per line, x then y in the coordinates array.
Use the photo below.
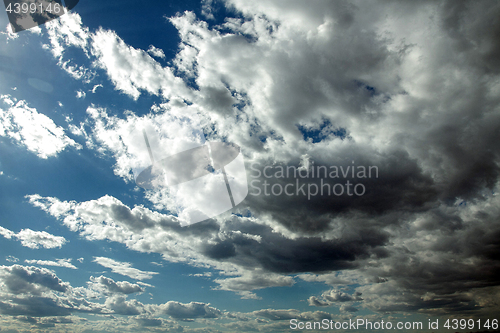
{"type": "Point", "coordinates": [33, 280]}
{"type": "Point", "coordinates": [190, 310]}
{"type": "Point", "coordinates": [121, 287]}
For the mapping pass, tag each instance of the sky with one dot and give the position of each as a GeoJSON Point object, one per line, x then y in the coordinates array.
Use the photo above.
{"type": "Point", "coordinates": [369, 133]}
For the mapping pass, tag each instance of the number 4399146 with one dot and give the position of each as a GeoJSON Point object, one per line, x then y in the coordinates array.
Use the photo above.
{"type": "Point", "coordinates": [32, 8]}
{"type": "Point", "coordinates": [456, 324]}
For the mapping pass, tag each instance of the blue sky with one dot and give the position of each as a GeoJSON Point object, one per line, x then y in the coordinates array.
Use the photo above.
{"type": "Point", "coordinates": [411, 89]}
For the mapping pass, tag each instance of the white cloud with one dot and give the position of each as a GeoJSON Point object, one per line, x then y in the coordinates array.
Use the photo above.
{"type": "Point", "coordinates": [66, 32]}
{"type": "Point", "coordinates": [190, 310]}
{"type": "Point", "coordinates": [80, 94]}
{"type": "Point", "coordinates": [94, 89]}
{"type": "Point", "coordinates": [58, 263]}
{"type": "Point", "coordinates": [109, 286]}
{"type": "Point", "coordinates": [34, 239]}
{"type": "Point", "coordinates": [254, 280]}
{"type": "Point", "coordinates": [34, 130]}
{"type": "Point", "coordinates": [157, 52]}
{"type": "Point", "coordinates": [132, 70]}
{"type": "Point", "coordinates": [11, 258]}
{"type": "Point", "coordinates": [124, 268]}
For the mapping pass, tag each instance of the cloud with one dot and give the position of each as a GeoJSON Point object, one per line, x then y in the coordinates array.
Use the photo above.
{"type": "Point", "coordinates": [288, 314]}
{"type": "Point", "coordinates": [120, 305]}
{"type": "Point", "coordinates": [239, 246]}
{"type": "Point", "coordinates": [154, 51]}
{"type": "Point", "coordinates": [19, 279]}
{"type": "Point", "coordinates": [334, 296]}
{"type": "Point", "coordinates": [110, 286]}
{"type": "Point", "coordinates": [38, 292]}
{"type": "Point", "coordinates": [94, 89]}
{"type": "Point", "coordinates": [37, 132]}
{"type": "Point", "coordinates": [252, 281]}
{"type": "Point", "coordinates": [132, 70]}
{"type": "Point", "coordinates": [59, 263]}
{"type": "Point", "coordinates": [12, 259]}
{"type": "Point", "coordinates": [34, 239]}
{"type": "Point", "coordinates": [189, 310]}
{"type": "Point", "coordinates": [80, 94]}
{"type": "Point", "coordinates": [65, 33]}
{"type": "Point", "coordinates": [124, 268]}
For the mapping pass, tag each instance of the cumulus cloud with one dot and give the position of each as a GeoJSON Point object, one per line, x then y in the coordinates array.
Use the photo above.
{"type": "Point", "coordinates": [124, 268]}
{"type": "Point", "coordinates": [35, 292]}
{"type": "Point", "coordinates": [34, 239]}
{"type": "Point", "coordinates": [110, 286]}
{"type": "Point", "coordinates": [190, 310]}
{"type": "Point", "coordinates": [80, 94]}
{"type": "Point", "coordinates": [334, 296]}
{"type": "Point", "coordinates": [241, 246]}
{"type": "Point", "coordinates": [19, 279]}
{"type": "Point", "coordinates": [154, 51]}
{"type": "Point", "coordinates": [37, 132]}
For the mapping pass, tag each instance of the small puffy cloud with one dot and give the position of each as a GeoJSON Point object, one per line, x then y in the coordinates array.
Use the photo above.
{"type": "Point", "coordinates": [335, 296]}
{"type": "Point", "coordinates": [37, 132]}
{"type": "Point", "coordinates": [58, 263]}
{"type": "Point", "coordinates": [124, 268]}
{"type": "Point", "coordinates": [120, 305]}
{"type": "Point", "coordinates": [34, 239]}
{"type": "Point", "coordinates": [190, 310]}
{"type": "Point", "coordinates": [11, 259]}
{"type": "Point", "coordinates": [157, 52]}
{"type": "Point", "coordinates": [80, 94]}
{"type": "Point", "coordinates": [111, 287]}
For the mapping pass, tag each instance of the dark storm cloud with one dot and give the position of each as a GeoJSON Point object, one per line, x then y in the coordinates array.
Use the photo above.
{"type": "Point", "coordinates": [394, 182]}
{"type": "Point", "coordinates": [475, 27]}
{"type": "Point", "coordinates": [279, 254]}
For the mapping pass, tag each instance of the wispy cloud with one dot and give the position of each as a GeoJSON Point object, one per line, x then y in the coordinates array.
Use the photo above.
{"type": "Point", "coordinates": [34, 239]}
{"type": "Point", "coordinates": [124, 268]}
{"type": "Point", "coordinates": [58, 263]}
{"type": "Point", "coordinates": [37, 132]}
